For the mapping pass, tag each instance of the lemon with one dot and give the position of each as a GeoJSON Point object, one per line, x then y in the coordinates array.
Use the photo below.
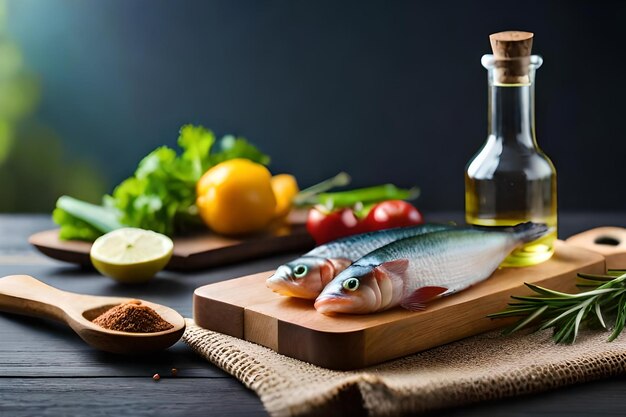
{"type": "Point", "coordinates": [235, 197]}
{"type": "Point", "coordinates": [131, 255]}
{"type": "Point", "coordinates": [285, 189]}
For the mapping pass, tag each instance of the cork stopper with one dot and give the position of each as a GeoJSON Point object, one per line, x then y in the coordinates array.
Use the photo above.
{"type": "Point", "coordinates": [511, 50]}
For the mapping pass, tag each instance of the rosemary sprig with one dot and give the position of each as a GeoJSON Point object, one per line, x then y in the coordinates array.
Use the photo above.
{"type": "Point", "coordinates": [566, 313]}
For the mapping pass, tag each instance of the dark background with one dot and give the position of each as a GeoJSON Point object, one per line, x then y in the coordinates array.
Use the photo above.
{"type": "Point", "coordinates": [390, 91]}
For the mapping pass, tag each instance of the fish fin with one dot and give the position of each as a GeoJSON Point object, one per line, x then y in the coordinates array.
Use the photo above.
{"type": "Point", "coordinates": [418, 299]}
{"type": "Point", "coordinates": [525, 232]}
{"type": "Point", "coordinates": [391, 268]}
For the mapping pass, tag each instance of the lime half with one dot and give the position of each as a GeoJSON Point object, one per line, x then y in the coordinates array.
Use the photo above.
{"type": "Point", "coordinates": [131, 255]}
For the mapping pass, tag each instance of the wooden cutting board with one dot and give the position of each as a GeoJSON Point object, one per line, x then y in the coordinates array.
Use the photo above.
{"type": "Point", "coordinates": [195, 252]}
{"type": "Point", "coordinates": [247, 309]}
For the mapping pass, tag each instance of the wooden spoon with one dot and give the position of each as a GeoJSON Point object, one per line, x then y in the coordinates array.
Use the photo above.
{"type": "Point", "coordinates": [23, 294]}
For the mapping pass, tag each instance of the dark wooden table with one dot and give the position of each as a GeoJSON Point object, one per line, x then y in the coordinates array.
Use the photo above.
{"type": "Point", "coordinates": [46, 370]}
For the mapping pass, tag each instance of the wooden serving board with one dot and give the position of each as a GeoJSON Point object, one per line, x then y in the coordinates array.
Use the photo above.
{"type": "Point", "coordinates": [247, 309]}
{"type": "Point", "coordinates": [195, 252]}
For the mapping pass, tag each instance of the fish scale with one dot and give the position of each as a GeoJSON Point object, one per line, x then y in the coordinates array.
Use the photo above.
{"type": "Point", "coordinates": [457, 265]}
{"type": "Point", "coordinates": [355, 246]}
{"type": "Point", "coordinates": [446, 257]}
{"type": "Point", "coordinates": [422, 267]}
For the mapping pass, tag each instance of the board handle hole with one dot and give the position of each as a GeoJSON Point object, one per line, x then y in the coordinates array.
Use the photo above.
{"type": "Point", "coordinates": [606, 240]}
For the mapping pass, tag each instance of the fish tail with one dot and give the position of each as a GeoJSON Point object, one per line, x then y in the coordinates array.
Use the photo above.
{"type": "Point", "coordinates": [529, 231]}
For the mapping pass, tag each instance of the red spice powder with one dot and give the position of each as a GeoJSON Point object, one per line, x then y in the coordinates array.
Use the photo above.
{"type": "Point", "coordinates": [132, 317]}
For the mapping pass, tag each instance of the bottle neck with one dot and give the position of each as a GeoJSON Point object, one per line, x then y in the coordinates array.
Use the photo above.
{"type": "Point", "coordinates": [512, 114]}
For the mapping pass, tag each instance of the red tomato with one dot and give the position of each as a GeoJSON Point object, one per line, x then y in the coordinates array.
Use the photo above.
{"type": "Point", "coordinates": [392, 213]}
{"type": "Point", "coordinates": [325, 227]}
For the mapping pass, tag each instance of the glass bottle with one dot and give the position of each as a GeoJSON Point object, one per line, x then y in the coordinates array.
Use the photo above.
{"type": "Point", "coordinates": [510, 180]}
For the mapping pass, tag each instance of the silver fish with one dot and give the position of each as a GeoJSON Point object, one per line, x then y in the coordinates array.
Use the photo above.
{"type": "Point", "coordinates": [307, 276]}
{"type": "Point", "coordinates": [412, 271]}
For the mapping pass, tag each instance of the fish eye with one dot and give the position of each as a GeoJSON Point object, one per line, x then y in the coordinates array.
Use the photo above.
{"type": "Point", "coordinates": [351, 284]}
{"type": "Point", "coordinates": [300, 270]}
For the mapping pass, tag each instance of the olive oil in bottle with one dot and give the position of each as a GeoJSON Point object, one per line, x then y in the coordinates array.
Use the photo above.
{"type": "Point", "coordinates": [510, 180]}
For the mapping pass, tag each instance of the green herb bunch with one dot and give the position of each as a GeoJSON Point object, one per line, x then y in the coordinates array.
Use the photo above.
{"type": "Point", "coordinates": [161, 194]}
{"type": "Point", "coordinates": [567, 313]}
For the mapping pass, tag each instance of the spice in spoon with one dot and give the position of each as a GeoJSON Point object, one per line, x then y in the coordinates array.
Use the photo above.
{"type": "Point", "coordinates": [132, 317]}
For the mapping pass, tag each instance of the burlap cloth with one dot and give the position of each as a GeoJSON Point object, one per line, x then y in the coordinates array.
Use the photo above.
{"type": "Point", "coordinates": [479, 368]}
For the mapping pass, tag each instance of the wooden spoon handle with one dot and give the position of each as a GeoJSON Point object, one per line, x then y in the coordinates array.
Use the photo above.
{"type": "Point", "coordinates": [23, 294]}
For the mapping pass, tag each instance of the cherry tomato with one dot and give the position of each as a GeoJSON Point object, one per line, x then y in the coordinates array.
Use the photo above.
{"type": "Point", "coordinates": [392, 213]}
{"type": "Point", "coordinates": [325, 227]}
